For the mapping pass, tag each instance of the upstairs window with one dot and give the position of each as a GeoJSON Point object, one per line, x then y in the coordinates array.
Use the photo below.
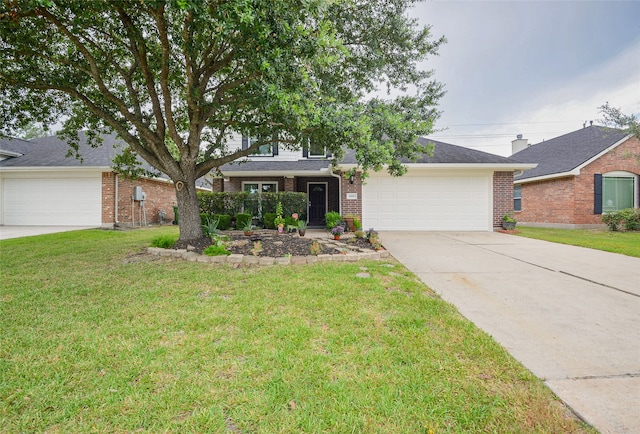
{"type": "Point", "coordinates": [266, 150]}
{"type": "Point", "coordinates": [314, 150]}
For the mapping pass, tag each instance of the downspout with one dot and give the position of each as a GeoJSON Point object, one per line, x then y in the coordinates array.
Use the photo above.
{"type": "Point", "coordinates": [339, 176]}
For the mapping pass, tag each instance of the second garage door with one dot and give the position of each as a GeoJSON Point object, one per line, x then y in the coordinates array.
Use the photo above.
{"type": "Point", "coordinates": [428, 202]}
{"type": "Point", "coordinates": [54, 201]}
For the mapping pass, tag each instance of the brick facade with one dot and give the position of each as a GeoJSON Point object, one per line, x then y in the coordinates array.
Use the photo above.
{"type": "Point", "coordinates": [569, 201]}
{"type": "Point", "coordinates": [502, 196]}
{"type": "Point", "coordinates": [160, 195]}
{"type": "Point", "coordinates": [351, 206]}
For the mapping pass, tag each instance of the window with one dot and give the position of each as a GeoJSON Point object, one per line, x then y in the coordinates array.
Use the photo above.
{"type": "Point", "coordinates": [313, 150]}
{"type": "Point", "coordinates": [517, 197]}
{"type": "Point", "coordinates": [618, 191]}
{"type": "Point", "coordinates": [267, 150]}
{"type": "Point", "coordinates": [259, 187]}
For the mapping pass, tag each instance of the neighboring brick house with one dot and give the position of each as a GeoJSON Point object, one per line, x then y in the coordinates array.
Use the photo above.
{"type": "Point", "coordinates": [454, 189]}
{"type": "Point", "coordinates": [39, 185]}
{"type": "Point", "coordinates": [580, 175]}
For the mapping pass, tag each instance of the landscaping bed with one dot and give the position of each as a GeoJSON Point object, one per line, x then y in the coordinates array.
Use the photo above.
{"type": "Point", "coordinates": [270, 243]}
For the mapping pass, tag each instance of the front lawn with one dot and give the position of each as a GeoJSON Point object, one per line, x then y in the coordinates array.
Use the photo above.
{"type": "Point", "coordinates": [626, 243]}
{"type": "Point", "coordinates": [97, 336]}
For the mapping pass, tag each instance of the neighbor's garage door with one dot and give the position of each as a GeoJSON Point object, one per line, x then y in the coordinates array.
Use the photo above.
{"type": "Point", "coordinates": [52, 201]}
{"type": "Point", "coordinates": [423, 202]}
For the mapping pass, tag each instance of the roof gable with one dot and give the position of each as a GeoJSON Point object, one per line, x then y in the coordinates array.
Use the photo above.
{"type": "Point", "coordinates": [563, 154]}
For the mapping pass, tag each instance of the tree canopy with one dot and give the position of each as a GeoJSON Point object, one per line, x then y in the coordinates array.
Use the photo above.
{"type": "Point", "coordinates": [175, 79]}
{"type": "Point", "coordinates": [614, 117]}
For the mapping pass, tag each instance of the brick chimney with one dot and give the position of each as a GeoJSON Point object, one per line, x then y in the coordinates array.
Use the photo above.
{"type": "Point", "coordinates": [519, 144]}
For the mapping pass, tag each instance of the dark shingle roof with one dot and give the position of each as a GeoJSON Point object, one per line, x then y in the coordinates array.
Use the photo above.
{"type": "Point", "coordinates": [565, 153]}
{"type": "Point", "coordinates": [445, 153]}
{"type": "Point", "coordinates": [52, 151]}
{"type": "Point", "coordinates": [14, 146]}
{"type": "Point", "coordinates": [276, 166]}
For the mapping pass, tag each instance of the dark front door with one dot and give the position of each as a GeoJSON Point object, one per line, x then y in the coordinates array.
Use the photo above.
{"type": "Point", "coordinates": [317, 193]}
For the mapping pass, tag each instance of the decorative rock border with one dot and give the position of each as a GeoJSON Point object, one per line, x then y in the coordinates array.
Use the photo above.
{"type": "Point", "coordinates": [267, 260]}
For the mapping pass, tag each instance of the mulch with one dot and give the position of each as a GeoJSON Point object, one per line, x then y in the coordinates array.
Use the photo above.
{"type": "Point", "coordinates": [270, 243]}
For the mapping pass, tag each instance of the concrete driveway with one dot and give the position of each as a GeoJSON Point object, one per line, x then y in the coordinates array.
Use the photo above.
{"type": "Point", "coordinates": [7, 232]}
{"type": "Point", "coordinates": [571, 315]}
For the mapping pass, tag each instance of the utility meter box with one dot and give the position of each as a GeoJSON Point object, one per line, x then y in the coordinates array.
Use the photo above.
{"type": "Point", "coordinates": [138, 194]}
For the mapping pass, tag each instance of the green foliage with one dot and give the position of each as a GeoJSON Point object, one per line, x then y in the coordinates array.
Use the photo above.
{"type": "Point", "coordinates": [210, 228]}
{"type": "Point", "coordinates": [224, 221]}
{"type": "Point", "coordinates": [615, 118]}
{"type": "Point", "coordinates": [509, 218]}
{"type": "Point", "coordinates": [333, 219]}
{"type": "Point", "coordinates": [170, 78]}
{"type": "Point", "coordinates": [164, 241]}
{"type": "Point", "coordinates": [629, 218]}
{"type": "Point", "coordinates": [242, 219]}
{"type": "Point", "coordinates": [269, 220]}
{"type": "Point", "coordinates": [214, 250]}
{"type": "Point", "coordinates": [204, 217]}
{"type": "Point", "coordinates": [252, 203]}
{"type": "Point", "coordinates": [279, 220]}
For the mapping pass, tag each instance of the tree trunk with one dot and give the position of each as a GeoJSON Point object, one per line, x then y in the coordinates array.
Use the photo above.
{"type": "Point", "coordinates": [189, 211]}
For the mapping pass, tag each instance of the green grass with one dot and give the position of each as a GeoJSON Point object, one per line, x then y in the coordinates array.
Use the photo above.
{"type": "Point", "coordinates": [626, 243]}
{"type": "Point", "coordinates": [97, 336]}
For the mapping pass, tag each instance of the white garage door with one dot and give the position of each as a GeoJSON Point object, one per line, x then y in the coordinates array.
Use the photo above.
{"type": "Point", "coordinates": [52, 201]}
{"type": "Point", "coordinates": [431, 203]}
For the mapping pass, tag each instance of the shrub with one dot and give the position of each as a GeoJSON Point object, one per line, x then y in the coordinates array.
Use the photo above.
{"type": "Point", "coordinates": [204, 217]}
{"type": "Point", "coordinates": [333, 219]}
{"type": "Point", "coordinates": [269, 218]}
{"type": "Point", "coordinates": [242, 219]}
{"type": "Point", "coordinates": [252, 203]}
{"type": "Point", "coordinates": [216, 251]}
{"type": "Point", "coordinates": [629, 217]}
{"type": "Point", "coordinates": [225, 221]}
{"type": "Point", "coordinates": [164, 241]}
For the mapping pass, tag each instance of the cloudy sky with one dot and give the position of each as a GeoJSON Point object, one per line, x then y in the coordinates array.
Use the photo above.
{"type": "Point", "coordinates": [537, 68]}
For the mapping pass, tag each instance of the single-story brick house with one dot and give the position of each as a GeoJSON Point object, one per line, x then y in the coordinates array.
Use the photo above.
{"type": "Point", "coordinates": [454, 189]}
{"type": "Point", "coordinates": [579, 176]}
{"type": "Point", "coordinates": [40, 186]}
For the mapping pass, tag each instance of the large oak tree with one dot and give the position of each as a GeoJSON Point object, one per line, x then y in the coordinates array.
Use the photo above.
{"type": "Point", "coordinates": [174, 79]}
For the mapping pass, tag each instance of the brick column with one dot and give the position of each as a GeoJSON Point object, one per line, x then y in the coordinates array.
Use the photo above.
{"type": "Point", "coordinates": [218, 185]}
{"type": "Point", "coordinates": [351, 205]}
{"type": "Point", "coordinates": [502, 196]}
{"type": "Point", "coordinates": [289, 184]}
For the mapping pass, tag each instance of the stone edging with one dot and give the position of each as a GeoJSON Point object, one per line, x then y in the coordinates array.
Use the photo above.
{"type": "Point", "coordinates": [266, 260]}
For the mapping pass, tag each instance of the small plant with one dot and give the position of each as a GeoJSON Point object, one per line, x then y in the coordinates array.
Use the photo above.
{"type": "Point", "coordinates": [215, 250]}
{"type": "Point", "coordinates": [509, 218]}
{"type": "Point", "coordinates": [257, 248]}
{"type": "Point", "coordinates": [337, 230]}
{"type": "Point", "coordinates": [333, 219]}
{"type": "Point", "coordinates": [279, 220]}
{"type": "Point", "coordinates": [210, 228]}
{"type": "Point", "coordinates": [315, 248]}
{"type": "Point", "coordinates": [357, 223]}
{"type": "Point", "coordinates": [302, 225]}
{"type": "Point", "coordinates": [360, 233]}
{"type": "Point", "coordinates": [372, 233]}
{"type": "Point", "coordinates": [164, 241]}
{"type": "Point", "coordinates": [242, 219]}
{"type": "Point", "coordinates": [247, 226]}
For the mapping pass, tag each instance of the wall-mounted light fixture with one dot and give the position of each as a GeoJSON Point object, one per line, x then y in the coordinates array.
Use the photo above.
{"type": "Point", "coordinates": [352, 179]}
